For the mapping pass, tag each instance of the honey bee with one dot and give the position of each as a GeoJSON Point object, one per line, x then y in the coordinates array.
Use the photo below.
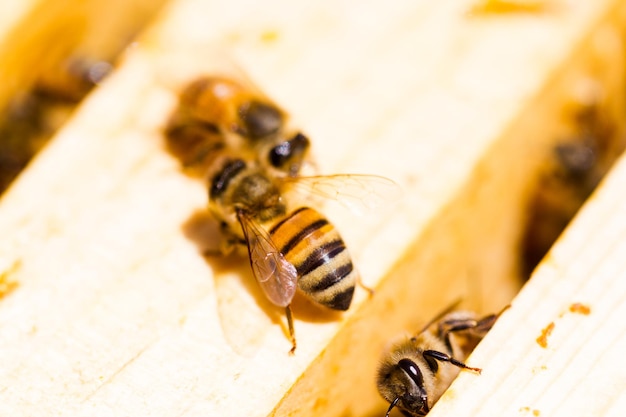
{"type": "Point", "coordinates": [237, 138]}
{"type": "Point", "coordinates": [289, 248]}
{"type": "Point", "coordinates": [416, 371]}
{"type": "Point", "coordinates": [216, 112]}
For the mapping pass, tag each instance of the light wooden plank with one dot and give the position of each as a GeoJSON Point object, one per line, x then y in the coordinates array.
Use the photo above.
{"type": "Point", "coordinates": [117, 313]}
{"type": "Point", "coordinates": [558, 350]}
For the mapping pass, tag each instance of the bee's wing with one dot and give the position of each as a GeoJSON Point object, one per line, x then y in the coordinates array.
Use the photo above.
{"type": "Point", "coordinates": [359, 193]}
{"type": "Point", "coordinates": [441, 314]}
{"type": "Point", "coordinates": [276, 276]}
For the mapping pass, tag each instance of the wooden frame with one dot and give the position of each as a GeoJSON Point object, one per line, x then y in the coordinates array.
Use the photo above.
{"type": "Point", "coordinates": [117, 312]}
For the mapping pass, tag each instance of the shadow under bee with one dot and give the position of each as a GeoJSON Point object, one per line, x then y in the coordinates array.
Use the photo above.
{"type": "Point", "coordinates": [246, 315]}
{"type": "Point", "coordinates": [203, 231]}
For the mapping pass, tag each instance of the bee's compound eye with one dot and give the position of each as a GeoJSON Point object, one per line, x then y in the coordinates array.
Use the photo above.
{"type": "Point", "coordinates": [292, 149]}
{"type": "Point", "coordinates": [412, 371]}
{"type": "Point", "coordinates": [415, 399]}
{"type": "Point", "coordinates": [279, 153]}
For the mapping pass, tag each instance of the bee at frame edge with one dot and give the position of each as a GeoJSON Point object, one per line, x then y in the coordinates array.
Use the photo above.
{"type": "Point", "coordinates": [414, 372]}
{"type": "Point", "coordinates": [217, 112]}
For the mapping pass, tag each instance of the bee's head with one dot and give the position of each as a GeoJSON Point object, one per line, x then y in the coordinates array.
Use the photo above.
{"type": "Point", "coordinates": [402, 384]}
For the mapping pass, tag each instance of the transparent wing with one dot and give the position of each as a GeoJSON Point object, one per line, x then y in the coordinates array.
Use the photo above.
{"type": "Point", "coordinates": [441, 314]}
{"type": "Point", "coordinates": [276, 276]}
{"type": "Point", "coordinates": [359, 193]}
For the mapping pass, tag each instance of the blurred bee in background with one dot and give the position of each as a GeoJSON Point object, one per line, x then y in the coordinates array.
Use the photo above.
{"type": "Point", "coordinates": [416, 371]}
{"type": "Point", "coordinates": [216, 112]}
{"type": "Point", "coordinates": [32, 116]}
{"type": "Point", "coordinates": [582, 156]}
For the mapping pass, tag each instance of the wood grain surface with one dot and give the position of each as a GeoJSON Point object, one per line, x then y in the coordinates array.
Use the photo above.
{"type": "Point", "coordinates": [557, 351]}
{"type": "Point", "coordinates": [117, 312]}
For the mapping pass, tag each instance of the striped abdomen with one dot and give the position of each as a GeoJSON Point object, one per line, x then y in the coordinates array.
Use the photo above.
{"type": "Point", "coordinates": [313, 246]}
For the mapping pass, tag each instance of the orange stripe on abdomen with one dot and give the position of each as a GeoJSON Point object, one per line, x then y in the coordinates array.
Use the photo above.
{"type": "Point", "coordinates": [313, 245]}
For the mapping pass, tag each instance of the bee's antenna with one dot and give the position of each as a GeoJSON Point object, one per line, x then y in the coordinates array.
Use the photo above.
{"type": "Point", "coordinates": [393, 404]}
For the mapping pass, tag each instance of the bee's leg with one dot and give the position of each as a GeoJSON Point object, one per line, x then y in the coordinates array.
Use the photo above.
{"type": "Point", "coordinates": [226, 248]}
{"type": "Point", "coordinates": [458, 325]}
{"type": "Point", "coordinates": [292, 332]}
{"type": "Point", "coordinates": [359, 282]}
{"type": "Point", "coordinates": [476, 327]}
{"type": "Point", "coordinates": [486, 323]}
{"type": "Point", "coordinates": [431, 355]}
{"type": "Point", "coordinates": [227, 245]}
{"type": "Point", "coordinates": [212, 253]}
